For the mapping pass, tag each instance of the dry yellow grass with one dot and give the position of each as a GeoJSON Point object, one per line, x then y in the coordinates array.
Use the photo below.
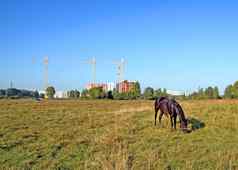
{"type": "Point", "coordinates": [104, 134]}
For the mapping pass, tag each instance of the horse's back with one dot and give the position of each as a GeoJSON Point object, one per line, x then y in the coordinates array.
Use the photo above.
{"type": "Point", "coordinates": [159, 100]}
{"type": "Point", "coordinates": [162, 98]}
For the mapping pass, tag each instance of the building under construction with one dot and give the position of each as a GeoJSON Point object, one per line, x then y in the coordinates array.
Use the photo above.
{"type": "Point", "coordinates": [105, 86]}
{"type": "Point", "coordinates": [125, 86]}
{"type": "Point", "coordinates": [122, 87]}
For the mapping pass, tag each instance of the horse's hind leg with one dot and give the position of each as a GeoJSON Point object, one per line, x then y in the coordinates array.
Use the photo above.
{"type": "Point", "coordinates": [160, 117]}
{"type": "Point", "coordinates": [156, 112]}
{"type": "Point", "coordinates": [171, 120]}
{"type": "Point", "coordinates": [175, 118]}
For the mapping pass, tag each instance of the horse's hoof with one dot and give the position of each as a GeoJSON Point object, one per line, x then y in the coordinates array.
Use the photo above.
{"type": "Point", "coordinates": [186, 131]}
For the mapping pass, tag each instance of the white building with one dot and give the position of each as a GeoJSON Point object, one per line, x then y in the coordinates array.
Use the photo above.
{"type": "Point", "coordinates": [58, 94]}
{"type": "Point", "coordinates": [61, 94]}
{"type": "Point", "coordinates": [110, 86]}
{"type": "Point", "coordinates": [105, 86]}
{"type": "Point", "coordinates": [176, 92]}
{"type": "Point", "coordinates": [42, 92]}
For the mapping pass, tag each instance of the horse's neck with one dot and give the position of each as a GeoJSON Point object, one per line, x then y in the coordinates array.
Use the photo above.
{"type": "Point", "coordinates": [181, 114]}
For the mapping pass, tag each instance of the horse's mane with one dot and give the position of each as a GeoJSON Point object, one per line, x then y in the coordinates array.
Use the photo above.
{"type": "Point", "coordinates": [181, 113]}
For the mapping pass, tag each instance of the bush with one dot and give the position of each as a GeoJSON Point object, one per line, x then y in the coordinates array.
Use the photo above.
{"type": "Point", "coordinates": [50, 92]}
{"type": "Point", "coordinates": [96, 93]}
{"type": "Point", "coordinates": [42, 95]}
{"type": "Point", "coordinates": [109, 95]}
{"type": "Point", "coordinates": [2, 93]}
{"type": "Point", "coordinates": [149, 93]}
{"type": "Point", "coordinates": [13, 92]}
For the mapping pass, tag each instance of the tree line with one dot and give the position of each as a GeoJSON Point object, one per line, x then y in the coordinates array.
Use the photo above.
{"type": "Point", "coordinates": [231, 92]}
{"type": "Point", "coordinates": [206, 93]}
{"type": "Point", "coordinates": [14, 93]}
{"type": "Point", "coordinates": [135, 93]}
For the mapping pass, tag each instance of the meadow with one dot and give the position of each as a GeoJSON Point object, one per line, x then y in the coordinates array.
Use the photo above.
{"type": "Point", "coordinates": [107, 134]}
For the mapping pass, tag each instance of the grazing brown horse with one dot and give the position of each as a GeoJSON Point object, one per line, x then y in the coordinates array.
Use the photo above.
{"type": "Point", "coordinates": [173, 109]}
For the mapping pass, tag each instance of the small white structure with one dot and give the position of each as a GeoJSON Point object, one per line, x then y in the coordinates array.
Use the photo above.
{"type": "Point", "coordinates": [61, 94]}
{"type": "Point", "coordinates": [42, 92]}
{"type": "Point", "coordinates": [110, 86]}
{"type": "Point", "coordinates": [58, 94]}
{"type": "Point", "coordinates": [176, 92]}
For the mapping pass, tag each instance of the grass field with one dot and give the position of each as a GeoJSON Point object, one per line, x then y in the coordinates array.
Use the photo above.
{"type": "Point", "coordinates": [101, 134]}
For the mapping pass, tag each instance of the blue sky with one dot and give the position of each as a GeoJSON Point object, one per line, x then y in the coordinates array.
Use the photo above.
{"type": "Point", "coordinates": [179, 45]}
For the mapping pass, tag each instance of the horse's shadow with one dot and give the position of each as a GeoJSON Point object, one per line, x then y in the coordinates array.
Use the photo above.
{"type": "Point", "coordinates": [195, 123]}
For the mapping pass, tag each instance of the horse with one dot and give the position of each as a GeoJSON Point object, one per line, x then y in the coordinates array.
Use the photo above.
{"type": "Point", "coordinates": [173, 109]}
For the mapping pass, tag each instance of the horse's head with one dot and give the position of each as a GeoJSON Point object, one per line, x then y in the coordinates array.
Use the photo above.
{"type": "Point", "coordinates": [184, 124]}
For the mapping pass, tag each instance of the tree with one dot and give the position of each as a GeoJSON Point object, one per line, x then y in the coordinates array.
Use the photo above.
{"type": "Point", "coordinates": [115, 94]}
{"type": "Point", "coordinates": [229, 92]}
{"type": "Point", "coordinates": [149, 93]}
{"type": "Point", "coordinates": [131, 95]}
{"type": "Point", "coordinates": [13, 92]}
{"type": "Point", "coordinates": [42, 95]}
{"type": "Point", "coordinates": [109, 95]}
{"type": "Point", "coordinates": [164, 93]}
{"type": "Point", "coordinates": [209, 92]}
{"type": "Point", "coordinates": [2, 93]}
{"type": "Point", "coordinates": [85, 94]}
{"type": "Point", "coordinates": [158, 93]}
{"type": "Point", "coordinates": [36, 94]}
{"type": "Point", "coordinates": [216, 93]}
{"type": "Point", "coordinates": [96, 93]}
{"type": "Point", "coordinates": [71, 94]}
{"type": "Point", "coordinates": [201, 94]}
{"type": "Point", "coordinates": [76, 94]}
{"type": "Point", "coordinates": [50, 92]}
{"type": "Point", "coordinates": [137, 92]}
{"type": "Point", "coordinates": [235, 89]}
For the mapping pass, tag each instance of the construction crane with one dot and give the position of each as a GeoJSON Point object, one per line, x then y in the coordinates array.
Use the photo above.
{"type": "Point", "coordinates": [45, 63]}
{"type": "Point", "coordinates": [46, 68]}
{"type": "Point", "coordinates": [120, 69]}
{"type": "Point", "coordinates": [92, 62]}
{"type": "Point", "coordinates": [120, 65]}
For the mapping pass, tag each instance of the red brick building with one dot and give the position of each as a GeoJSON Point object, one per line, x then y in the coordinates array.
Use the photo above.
{"type": "Point", "coordinates": [125, 86]}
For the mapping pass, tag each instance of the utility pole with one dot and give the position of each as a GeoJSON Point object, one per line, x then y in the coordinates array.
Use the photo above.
{"type": "Point", "coordinates": [46, 68]}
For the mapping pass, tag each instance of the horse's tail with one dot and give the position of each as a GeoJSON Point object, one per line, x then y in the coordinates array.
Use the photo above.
{"type": "Point", "coordinates": [155, 104]}
{"type": "Point", "coordinates": [156, 107]}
